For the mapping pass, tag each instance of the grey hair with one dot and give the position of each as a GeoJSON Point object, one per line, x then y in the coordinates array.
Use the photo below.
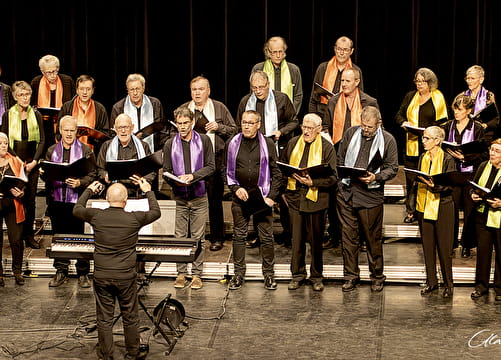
{"type": "Point", "coordinates": [314, 118]}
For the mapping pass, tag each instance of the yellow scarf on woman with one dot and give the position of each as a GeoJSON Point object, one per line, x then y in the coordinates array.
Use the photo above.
{"type": "Point", "coordinates": [314, 158]}
{"type": "Point", "coordinates": [412, 143]}
{"type": "Point", "coordinates": [493, 216]}
{"type": "Point", "coordinates": [15, 125]}
{"type": "Point", "coordinates": [286, 85]}
{"type": "Point", "coordinates": [427, 201]}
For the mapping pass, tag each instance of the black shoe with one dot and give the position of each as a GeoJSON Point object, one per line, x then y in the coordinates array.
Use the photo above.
{"type": "Point", "coordinates": [465, 253]}
{"type": "Point", "coordinates": [236, 282]}
{"type": "Point", "coordinates": [363, 247]}
{"type": "Point", "coordinates": [83, 281]}
{"type": "Point", "coordinates": [429, 289]}
{"type": "Point", "coordinates": [448, 291]}
{"type": "Point", "coordinates": [330, 244]}
{"type": "Point", "coordinates": [377, 285]}
{"type": "Point", "coordinates": [270, 283]}
{"type": "Point", "coordinates": [478, 294]}
{"type": "Point", "coordinates": [497, 298]}
{"type": "Point", "coordinates": [2, 282]}
{"type": "Point", "coordinates": [409, 219]}
{"type": "Point", "coordinates": [350, 285]}
{"type": "Point", "coordinates": [318, 285]}
{"type": "Point", "coordinates": [216, 246]}
{"type": "Point", "coordinates": [59, 279]}
{"type": "Point", "coordinates": [19, 279]}
{"type": "Point", "coordinates": [253, 243]}
{"type": "Point", "coordinates": [294, 284]}
{"type": "Point", "coordinates": [31, 242]}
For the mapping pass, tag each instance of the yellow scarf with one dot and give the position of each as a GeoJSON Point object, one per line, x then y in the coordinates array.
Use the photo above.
{"type": "Point", "coordinates": [412, 144]}
{"type": "Point", "coordinates": [314, 158]}
{"type": "Point", "coordinates": [427, 201]}
{"type": "Point", "coordinates": [15, 125]}
{"type": "Point", "coordinates": [286, 85]}
{"type": "Point", "coordinates": [493, 216]}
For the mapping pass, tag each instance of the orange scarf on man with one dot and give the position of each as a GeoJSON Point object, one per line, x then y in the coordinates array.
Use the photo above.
{"type": "Point", "coordinates": [331, 75]}
{"type": "Point", "coordinates": [44, 93]}
{"type": "Point", "coordinates": [85, 117]}
{"type": "Point", "coordinates": [340, 115]}
{"type": "Point", "coordinates": [16, 165]}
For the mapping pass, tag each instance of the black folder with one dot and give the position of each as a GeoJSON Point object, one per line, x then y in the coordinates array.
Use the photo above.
{"type": "Point", "coordinates": [447, 178]}
{"type": "Point", "coordinates": [49, 111]}
{"type": "Point", "coordinates": [486, 193]}
{"type": "Point", "coordinates": [123, 169]}
{"type": "Point", "coordinates": [151, 129]}
{"type": "Point", "coordinates": [315, 172]}
{"type": "Point", "coordinates": [472, 147]}
{"type": "Point", "coordinates": [255, 203]}
{"type": "Point", "coordinates": [415, 130]}
{"type": "Point", "coordinates": [487, 113]}
{"type": "Point", "coordinates": [83, 130]}
{"type": "Point", "coordinates": [200, 122]}
{"type": "Point", "coordinates": [61, 171]}
{"type": "Point", "coordinates": [350, 172]}
{"type": "Point", "coordinates": [9, 181]}
{"type": "Point", "coordinates": [322, 90]}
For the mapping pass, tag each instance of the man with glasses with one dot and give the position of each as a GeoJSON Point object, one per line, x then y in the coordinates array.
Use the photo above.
{"type": "Point", "coordinates": [360, 199]}
{"type": "Point", "coordinates": [328, 75]}
{"type": "Point", "coordinates": [284, 76]}
{"type": "Point", "coordinates": [143, 110]}
{"type": "Point", "coordinates": [189, 157]}
{"type": "Point", "coordinates": [254, 179]}
{"type": "Point", "coordinates": [308, 198]}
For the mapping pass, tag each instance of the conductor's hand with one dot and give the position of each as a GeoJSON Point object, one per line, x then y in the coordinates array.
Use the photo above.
{"type": "Point", "coordinates": [242, 194]}
{"type": "Point", "coordinates": [144, 185]}
{"type": "Point", "coordinates": [95, 187]}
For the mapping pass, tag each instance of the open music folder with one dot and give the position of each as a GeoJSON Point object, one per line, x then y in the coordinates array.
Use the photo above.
{"type": "Point", "coordinates": [123, 169]}
{"type": "Point", "coordinates": [9, 181]}
{"type": "Point", "coordinates": [61, 171]}
{"type": "Point", "coordinates": [315, 172]}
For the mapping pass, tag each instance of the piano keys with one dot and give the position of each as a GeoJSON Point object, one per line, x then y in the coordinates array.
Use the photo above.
{"type": "Point", "coordinates": [149, 248]}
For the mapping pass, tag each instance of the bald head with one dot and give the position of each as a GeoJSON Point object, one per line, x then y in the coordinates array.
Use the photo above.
{"type": "Point", "coordinates": [117, 195]}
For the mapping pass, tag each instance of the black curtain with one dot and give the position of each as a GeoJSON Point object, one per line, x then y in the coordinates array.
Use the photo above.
{"type": "Point", "coordinates": [172, 41]}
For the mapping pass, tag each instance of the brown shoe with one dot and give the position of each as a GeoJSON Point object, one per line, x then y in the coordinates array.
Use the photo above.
{"type": "Point", "coordinates": [196, 282]}
{"type": "Point", "coordinates": [180, 282]}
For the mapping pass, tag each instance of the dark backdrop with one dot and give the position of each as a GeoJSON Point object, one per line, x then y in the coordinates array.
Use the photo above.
{"type": "Point", "coordinates": [172, 41]}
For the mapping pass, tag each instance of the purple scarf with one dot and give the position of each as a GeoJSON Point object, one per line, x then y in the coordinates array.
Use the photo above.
{"type": "Point", "coordinates": [2, 105]}
{"type": "Point", "coordinates": [264, 180]}
{"type": "Point", "coordinates": [480, 101]}
{"type": "Point", "coordinates": [76, 152]}
{"type": "Point", "coordinates": [468, 136]}
{"type": "Point", "coordinates": [196, 161]}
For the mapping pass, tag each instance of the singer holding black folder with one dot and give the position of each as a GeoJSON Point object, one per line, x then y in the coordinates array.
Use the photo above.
{"type": "Point", "coordinates": [11, 210]}
{"type": "Point", "coordinates": [23, 125]}
{"type": "Point", "coordinates": [63, 194]}
{"type": "Point", "coordinates": [488, 225]}
{"type": "Point", "coordinates": [462, 130]}
{"type": "Point", "coordinates": [435, 211]}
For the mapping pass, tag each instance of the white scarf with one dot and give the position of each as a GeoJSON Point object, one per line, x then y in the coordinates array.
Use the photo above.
{"type": "Point", "coordinates": [270, 112]}
{"type": "Point", "coordinates": [210, 114]}
{"type": "Point", "coordinates": [146, 117]}
{"type": "Point", "coordinates": [112, 152]}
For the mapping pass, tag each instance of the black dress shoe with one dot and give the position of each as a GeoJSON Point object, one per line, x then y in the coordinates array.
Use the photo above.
{"type": "Point", "coordinates": [83, 281]}
{"type": "Point", "coordinates": [377, 286]}
{"type": "Point", "coordinates": [330, 243]}
{"type": "Point", "coordinates": [216, 246]}
{"type": "Point", "coordinates": [59, 279]}
{"type": "Point", "coordinates": [270, 283]}
{"type": "Point", "coordinates": [465, 253]}
{"type": "Point", "coordinates": [409, 219]}
{"type": "Point", "coordinates": [253, 243]}
{"type": "Point", "coordinates": [350, 285]}
{"type": "Point", "coordinates": [2, 282]}
{"type": "Point", "coordinates": [32, 243]}
{"type": "Point", "coordinates": [294, 284]}
{"type": "Point", "coordinates": [428, 289]}
{"type": "Point", "coordinates": [19, 279]}
{"type": "Point", "coordinates": [478, 294]}
{"type": "Point", "coordinates": [236, 282]}
{"type": "Point", "coordinates": [317, 285]}
{"type": "Point", "coordinates": [448, 291]}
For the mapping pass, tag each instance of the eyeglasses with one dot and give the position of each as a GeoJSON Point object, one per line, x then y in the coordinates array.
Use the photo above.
{"type": "Point", "coordinates": [342, 50]}
{"type": "Point", "coordinates": [495, 151]}
{"type": "Point", "coordinates": [427, 138]}
{"type": "Point", "coordinates": [308, 128]}
{"type": "Point", "coordinates": [276, 52]}
{"type": "Point", "coordinates": [24, 95]}
{"type": "Point", "coordinates": [53, 72]}
{"type": "Point", "coordinates": [123, 128]}
{"type": "Point", "coordinates": [261, 88]}
{"type": "Point", "coordinates": [249, 123]}
{"type": "Point", "coordinates": [420, 81]}
{"type": "Point", "coordinates": [135, 90]}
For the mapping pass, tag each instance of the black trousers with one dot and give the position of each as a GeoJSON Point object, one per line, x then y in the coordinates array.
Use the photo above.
{"type": "Point", "coordinates": [438, 237]}
{"type": "Point", "coordinates": [488, 238]}
{"type": "Point", "coordinates": [29, 198]}
{"type": "Point", "coordinates": [107, 292]}
{"type": "Point", "coordinates": [215, 191]}
{"type": "Point", "coordinates": [361, 223]}
{"type": "Point", "coordinates": [264, 222]}
{"type": "Point", "coordinates": [14, 232]}
{"type": "Point", "coordinates": [410, 162]}
{"type": "Point", "coordinates": [307, 227]}
{"type": "Point", "coordinates": [462, 200]}
{"type": "Point", "coordinates": [63, 222]}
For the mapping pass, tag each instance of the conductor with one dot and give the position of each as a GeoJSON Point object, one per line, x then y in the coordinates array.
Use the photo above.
{"type": "Point", "coordinates": [115, 237]}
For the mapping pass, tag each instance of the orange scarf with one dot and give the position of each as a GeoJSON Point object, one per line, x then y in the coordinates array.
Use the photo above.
{"type": "Point", "coordinates": [330, 76]}
{"type": "Point", "coordinates": [340, 115]}
{"type": "Point", "coordinates": [44, 93]}
{"type": "Point", "coordinates": [16, 166]}
{"type": "Point", "coordinates": [85, 117]}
